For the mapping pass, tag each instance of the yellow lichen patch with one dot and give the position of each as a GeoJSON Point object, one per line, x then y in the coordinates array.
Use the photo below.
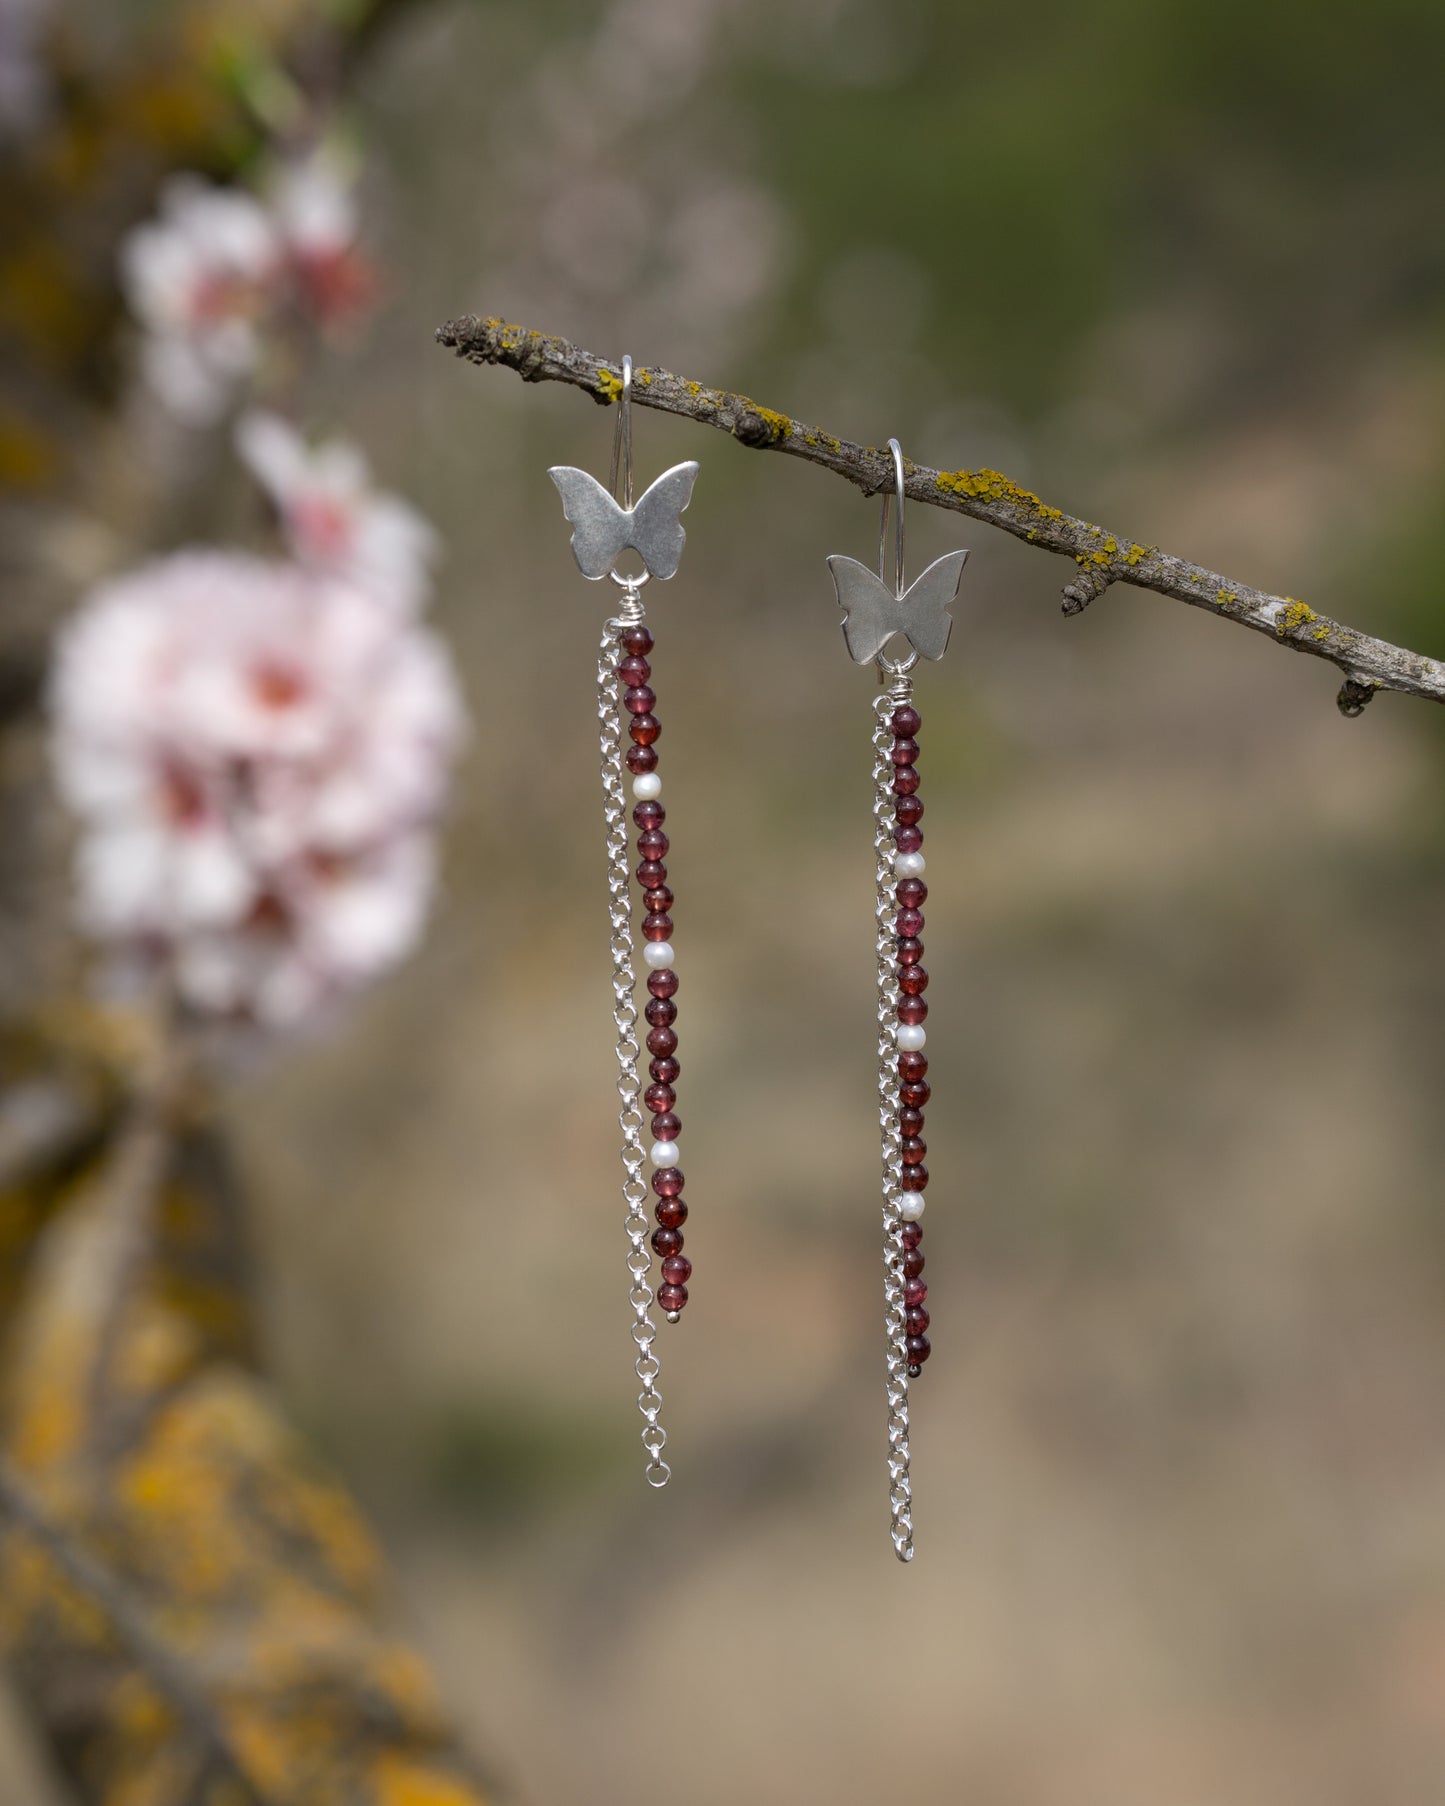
{"type": "Point", "coordinates": [1321, 633]}
{"type": "Point", "coordinates": [778, 425]}
{"type": "Point", "coordinates": [1226, 598]}
{"type": "Point", "coordinates": [608, 385]}
{"type": "Point", "coordinates": [1296, 614]}
{"type": "Point", "coordinates": [401, 1781]}
{"type": "Point", "coordinates": [1135, 555]}
{"type": "Point", "coordinates": [994, 486]}
{"type": "Point", "coordinates": [645, 378]}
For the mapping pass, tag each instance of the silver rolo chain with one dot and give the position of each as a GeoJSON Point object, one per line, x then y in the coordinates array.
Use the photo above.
{"type": "Point", "coordinates": [624, 984]}
{"type": "Point", "coordinates": [900, 1490]}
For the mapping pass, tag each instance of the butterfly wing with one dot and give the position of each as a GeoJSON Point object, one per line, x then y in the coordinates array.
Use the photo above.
{"type": "Point", "coordinates": [600, 529]}
{"type": "Point", "coordinates": [924, 610]}
{"type": "Point", "coordinates": [870, 611]}
{"type": "Point", "coordinates": [655, 532]}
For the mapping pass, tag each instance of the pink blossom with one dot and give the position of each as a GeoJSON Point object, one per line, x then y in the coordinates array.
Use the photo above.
{"type": "Point", "coordinates": [201, 279]}
{"type": "Point", "coordinates": [315, 209]}
{"type": "Point", "coordinates": [333, 518]}
{"type": "Point", "coordinates": [257, 755]}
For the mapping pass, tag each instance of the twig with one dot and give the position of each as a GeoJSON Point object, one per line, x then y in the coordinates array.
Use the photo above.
{"type": "Point", "coordinates": [1366, 663]}
{"type": "Point", "coordinates": [127, 1619]}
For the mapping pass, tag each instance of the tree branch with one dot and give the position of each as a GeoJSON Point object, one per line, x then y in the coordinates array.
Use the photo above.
{"type": "Point", "coordinates": [1102, 558]}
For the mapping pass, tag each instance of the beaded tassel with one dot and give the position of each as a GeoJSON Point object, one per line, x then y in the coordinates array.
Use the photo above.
{"type": "Point", "coordinates": [914, 1092]}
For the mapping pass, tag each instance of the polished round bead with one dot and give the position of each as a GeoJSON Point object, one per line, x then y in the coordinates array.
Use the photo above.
{"type": "Point", "coordinates": [905, 720]}
{"type": "Point", "coordinates": [912, 893]}
{"type": "Point", "coordinates": [667, 1181]}
{"type": "Point", "coordinates": [908, 840]}
{"type": "Point", "coordinates": [651, 873]}
{"type": "Point", "coordinates": [911, 1037]}
{"type": "Point", "coordinates": [659, 1098]}
{"type": "Point", "coordinates": [637, 639]}
{"type": "Point", "coordinates": [908, 810]}
{"type": "Point", "coordinates": [911, 1011]}
{"type": "Point", "coordinates": [658, 900]}
{"type": "Point", "coordinates": [914, 1292]}
{"type": "Point", "coordinates": [656, 926]}
{"type": "Point", "coordinates": [649, 815]}
{"type": "Point", "coordinates": [910, 1235]}
{"type": "Point", "coordinates": [909, 950]}
{"type": "Point", "coordinates": [657, 954]}
{"type": "Point", "coordinates": [661, 1012]}
{"type": "Point", "coordinates": [915, 1321]}
{"type": "Point", "coordinates": [911, 1206]}
{"type": "Point", "coordinates": [909, 924]}
{"type": "Point", "coordinates": [914, 1148]}
{"type": "Point", "coordinates": [644, 729]}
{"type": "Point", "coordinates": [638, 699]}
{"type": "Point", "coordinates": [917, 1349]}
{"type": "Point", "coordinates": [915, 1095]}
{"type": "Point", "coordinates": [677, 1270]}
{"type": "Point", "coordinates": [662, 1041]}
{"type": "Point", "coordinates": [666, 1126]}
{"type": "Point", "coordinates": [671, 1298]}
{"type": "Point", "coordinates": [914, 1178]}
{"type": "Point", "coordinates": [662, 984]}
{"type": "Point", "coordinates": [910, 865]}
{"type": "Point", "coordinates": [671, 1213]}
{"type": "Point", "coordinates": [664, 1072]}
{"type": "Point", "coordinates": [664, 1153]}
{"type": "Point", "coordinates": [913, 1259]}
{"type": "Point", "coordinates": [905, 780]}
{"type": "Point", "coordinates": [910, 1121]}
{"type": "Point", "coordinates": [653, 843]}
{"type": "Point", "coordinates": [634, 670]}
{"type": "Point", "coordinates": [904, 751]}
{"type": "Point", "coordinates": [647, 784]}
{"type": "Point", "coordinates": [667, 1241]}
{"type": "Point", "coordinates": [642, 760]}
{"type": "Point", "coordinates": [911, 1066]}
{"type": "Point", "coordinates": [913, 980]}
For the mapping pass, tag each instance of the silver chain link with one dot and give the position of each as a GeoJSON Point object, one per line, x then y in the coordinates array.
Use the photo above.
{"type": "Point", "coordinates": [900, 1489]}
{"type": "Point", "coordinates": [624, 985]}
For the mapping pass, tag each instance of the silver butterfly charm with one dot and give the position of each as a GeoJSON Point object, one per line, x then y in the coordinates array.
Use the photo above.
{"type": "Point", "coordinates": [602, 529]}
{"type": "Point", "coordinates": [873, 611]}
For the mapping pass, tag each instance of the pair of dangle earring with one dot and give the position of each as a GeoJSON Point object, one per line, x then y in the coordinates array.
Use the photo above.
{"type": "Point", "coordinates": [606, 523]}
{"type": "Point", "coordinates": [876, 612]}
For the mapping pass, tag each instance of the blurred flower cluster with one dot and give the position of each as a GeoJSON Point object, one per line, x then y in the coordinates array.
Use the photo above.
{"type": "Point", "coordinates": [257, 749]}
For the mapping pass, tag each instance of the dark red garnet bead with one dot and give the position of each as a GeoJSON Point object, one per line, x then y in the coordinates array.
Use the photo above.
{"type": "Point", "coordinates": [916, 1321]}
{"type": "Point", "coordinates": [913, 980]}
{"type": "Point", "coordinates": [638, 699]}
{"type": "Point", "coordinates": [662, 1041]}
{"type": "Point", "coordinates": [634, 670]}
{"type": "Point", "coordinates": [653, 843]}
{"type": "Point", "coordinates": [664, 1072]}
{"type": "Point", "coordinates": [904, 751]}
{"type": "Point", "coordinates": [667, 1181]}
{"type": "Point", "coordinates": [908, 810]}
{"type": "Point", "coordinates": [657, 927]}
{"type": "Point", "coordinates": [912, 893]}
{"type": "Point", "coordinates": [637, 640]}
{"type": "Point", "coordinates": [666, 1126]}
{"type": "Point", "coordinates": [651, 873]}
{"type": "Point", "coordinates": [912, 1263]}
{"type": "Point", "coordinates": [649, 814]}
{"type": "Point", "coordinates": [915, 1178]}
{"type": "Point", "coordinates": [908, 840]}
{"type": "Point", "coordinates": [677, 1270]}
{"type": "Point", "coordinates": [909, 924]}
{"type": "Point", "coordinates": [671, 1212]}
{"type": "Point", "coordinates": [914, 1148]}
{"type": "Point", "coordinates": [641, 759]}
{"type": "Point", "coordinates": [912, 1067]}
{"type": "Point", "coordinates": [659, 1098]}
{"type": "Point", "coordinates": [905, 780]}
{"type": "Point", "coordinates": [918, 1349]}
{"type": "Point", "coordinates": [910, 1121]}
{"type": "Point", "coordinates": [671, 1298]}
{"type": "Point", "coordinates": [667, 1241]}
{"type": "Point", "coordinates": [912, 1010]}
{"type": "Point", "coordinates": [916, 1095]}
{"type": "Point", "coordinates": [906, 720]}
{"type": "Point", "coordinates": [661, 1012]}
{"type": "Point", "coordinates": [909, 951]}
{"type": "Point", "coordinates": [912, 1234]}
{"type": "Point", "coordinates": [658, 900]}
{"type": "Point", "coordinates": [663, 983]}
{"type": "Point", "coordinates": [914, 1292]}
{"type": "Point", "coordinates": [644, 729]}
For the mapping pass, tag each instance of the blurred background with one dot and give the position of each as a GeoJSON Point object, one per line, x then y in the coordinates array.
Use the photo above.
{"type": "Point", "coordinates": [1178, 1455]}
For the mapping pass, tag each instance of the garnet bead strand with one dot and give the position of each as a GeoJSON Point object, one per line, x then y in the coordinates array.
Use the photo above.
{"type": "Point", "coordinates": [913, 1093]}
{"type": "Point", "coordinates": [639, 698]}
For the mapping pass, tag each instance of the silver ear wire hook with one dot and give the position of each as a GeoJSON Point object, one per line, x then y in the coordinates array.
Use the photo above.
{"type": "Point", "coordinates": [622, 438]}
{"type": "Point", "coordinates": [889, 670]}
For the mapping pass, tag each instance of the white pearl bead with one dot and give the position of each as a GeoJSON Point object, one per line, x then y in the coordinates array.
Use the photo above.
{"type": "Point", "coordinates": [910, 865]}
{"type": "Point", "coordinates": [911, 1206]}
{"type": "Point", "coordinates": [911, 1037]}
{"type": "Point", "coordinates": [664, 1153]}
{"type": "Point", "coordinates": [646, 785]}
{"type": "Point", "coordinates": [657, 954]}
